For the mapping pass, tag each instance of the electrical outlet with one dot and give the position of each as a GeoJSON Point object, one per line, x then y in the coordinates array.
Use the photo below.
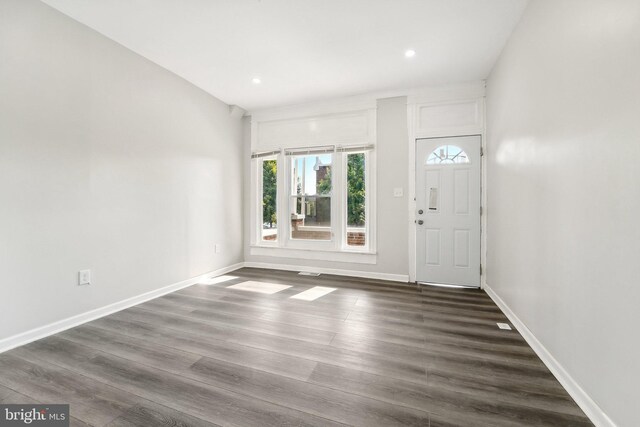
{"type": "Point", "coordinates": [84, 277]}
{"type": "Point", "coordinates": [218, 248]}
{"type": "Point", "coordinates": [397, 192]}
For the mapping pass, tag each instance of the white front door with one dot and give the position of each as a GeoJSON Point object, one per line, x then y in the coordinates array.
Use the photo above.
{"type": "Point", "coordinates": [448, 210]}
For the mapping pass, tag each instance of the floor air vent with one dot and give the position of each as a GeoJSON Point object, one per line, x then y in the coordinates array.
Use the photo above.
{"type": "Point", "coordinates": [308, 273]}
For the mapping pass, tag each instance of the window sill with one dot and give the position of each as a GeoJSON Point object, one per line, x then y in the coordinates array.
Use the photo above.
{"type": "Point", "coordinates": [313, 254]}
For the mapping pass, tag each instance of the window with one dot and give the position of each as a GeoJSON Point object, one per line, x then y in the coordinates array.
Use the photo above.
{"type": "Point", "coordinates": [447, 154]}
{"type": "Point", "coordinates": [310, 201]}
{"type": "Point", "coordinates": [315, 198]}
{"type": "Point", "coordinates": [269, 200]}
{"type": "Point", "coordinates": [356, 211]}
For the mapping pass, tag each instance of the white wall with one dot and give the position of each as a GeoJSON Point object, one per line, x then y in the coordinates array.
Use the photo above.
{"type": "Point", "coordinates": [392, 215]}
{"type": "Point", "coordinates": [107, 162]}
{"type": "Point", "coordinates": [564, 190]}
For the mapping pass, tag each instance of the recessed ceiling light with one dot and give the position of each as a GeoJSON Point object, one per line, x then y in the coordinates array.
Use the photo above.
{"type": "Point", "coordinates": [256, 80]}
{"type": "Point", "coordinates": [410, 53]}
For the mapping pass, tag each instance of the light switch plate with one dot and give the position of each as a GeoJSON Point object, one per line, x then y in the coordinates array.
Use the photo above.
{"type": "Point", "coordinates": [84, 277]}
{"type": "Point", "coordinates": [397, 192]}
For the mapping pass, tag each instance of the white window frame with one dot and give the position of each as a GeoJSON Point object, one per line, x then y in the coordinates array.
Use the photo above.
{"type": "Point", "coordinates": [285, 245]}
{"type": "Point", "coordinates": [259, 197]}
{"type": "Point", "coordinates": [309, 243]}
{"type": "Point", "coordinates": [369, 156]}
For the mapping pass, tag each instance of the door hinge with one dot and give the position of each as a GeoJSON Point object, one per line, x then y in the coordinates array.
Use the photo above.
{"type": "Point", "coordinates": [480, 210]}
{"type": "Point", "coordinates": [481, 151]}
{"type": "Point", "coordinates": [481, 269]}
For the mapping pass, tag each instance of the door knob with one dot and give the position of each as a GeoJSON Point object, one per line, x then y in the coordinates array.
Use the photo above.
{"type": "Point", "coordinates": [420, 211]}
{"type": "Point", "coordinates": [420, 222]}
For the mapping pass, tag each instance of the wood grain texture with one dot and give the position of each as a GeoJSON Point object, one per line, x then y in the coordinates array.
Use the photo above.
{"type": "Point", "coordinates": [157, 415]}
{"type": "Point", "coordinates": [371, 353]}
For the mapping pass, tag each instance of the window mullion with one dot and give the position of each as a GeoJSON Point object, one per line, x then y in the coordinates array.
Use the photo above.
{"type": "Point", "coordinates": [283, 206]}
{"type": "Point", "coordinates": [344, 198]}
{"type": "Point", "coordinates": [367, 201]}
{"type": "Point", "coordinates": [259, 195]}
{"type": "Point", "coordinates": [371, 188]}
{"type": "Point", "coordinates": [337, 195]}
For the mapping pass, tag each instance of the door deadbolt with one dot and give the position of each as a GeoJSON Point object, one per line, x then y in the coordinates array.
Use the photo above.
{"type": "Point", "coordinates": [420, 222]}
{"type": "Point", "coordinates": [420, 211]}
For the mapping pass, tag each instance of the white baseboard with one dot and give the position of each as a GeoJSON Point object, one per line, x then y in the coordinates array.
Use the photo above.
{"type": "Point", "coordinates": [404, 278]}
{"type": "Point", "coordinates": [584, 401]}
{"type": "Point", "coordinates": [70, 322]}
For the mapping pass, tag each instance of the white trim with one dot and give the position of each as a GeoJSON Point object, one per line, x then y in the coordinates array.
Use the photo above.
{"type": "Point", "coordinates": [313, 227]}
{"type": "Point", "coordinates": [442, 96]}
{"type": "Point", "coordinates": [337, 127]}
{"type": "Point", "coordinates": [584, 401]}
{"type": "Point", "coordinates": [369, 228]}
{"type": "Point", "coordinates": [268, 154]}
{"type": "Point", "coordinates": [433, 130]}
{"type": "Point", "coordinates": [445, 94]}
{"type": "Point", "coordinates": [339, 272]}
{"type": "Point", "coordinates": [311, 150]}
{"type": "Point", "coordinates": [327, 108]}
{"type": "Point", "coordinates": [355, 148]}
{"type": "Point", "coordinates": [316, 254]}
{"type": "Point", "coordinates": [70, 322]}
{"type": "Point", "coordinates": [483, 198]}
{"type": "Point", "coordinates": [411, 167]}
{"type": "Point", "coordinates": [369, 100]}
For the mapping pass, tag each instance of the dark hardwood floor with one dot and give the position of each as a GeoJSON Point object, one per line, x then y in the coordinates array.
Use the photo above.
{"type": "Point", "coordinates": [370, 353]}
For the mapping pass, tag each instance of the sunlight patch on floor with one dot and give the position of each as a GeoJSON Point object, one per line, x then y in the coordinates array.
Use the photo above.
{"type": "Point", "coordinates": [260, 287]}
{"type": "Point", "coordinates": [313, 293]}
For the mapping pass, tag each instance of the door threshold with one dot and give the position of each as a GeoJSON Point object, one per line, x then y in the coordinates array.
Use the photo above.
{"type": "Point", "coordinates": [444, 285]}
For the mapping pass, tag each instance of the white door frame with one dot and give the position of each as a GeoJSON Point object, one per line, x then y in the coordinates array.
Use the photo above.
{"type": "Point", "coordinates": [475, 181]}
{"type": "Point", "coordinates": [477, 128]}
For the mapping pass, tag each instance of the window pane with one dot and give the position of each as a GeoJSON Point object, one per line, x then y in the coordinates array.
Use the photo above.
{"type": "Point", "coordinates": [356, 193]}
{"type": "Point", "coordinates": [312, 220]}
{"type": "Point", "coordinates": [310, 201]}
{"type": "Point", "coordinates": [447, 155]}
{"type": "Point", "coordinates": [269, 198]}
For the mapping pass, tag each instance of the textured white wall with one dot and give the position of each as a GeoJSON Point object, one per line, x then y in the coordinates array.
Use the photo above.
{"type": "Point", "coordinates": [564, 190]}
{"type": "Point", "coordinates": [107, 162]}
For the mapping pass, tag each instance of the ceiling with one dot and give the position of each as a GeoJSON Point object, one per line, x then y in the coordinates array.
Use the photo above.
{"type": "Point", "coordinates": [307, 50]}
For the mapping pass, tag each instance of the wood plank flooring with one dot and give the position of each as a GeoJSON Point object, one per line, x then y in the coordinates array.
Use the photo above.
{"type": "Point", "coordinates": [370, 353]}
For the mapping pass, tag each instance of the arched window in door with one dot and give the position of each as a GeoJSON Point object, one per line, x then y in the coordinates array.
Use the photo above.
{"type": "Point", "coordinates": [447, 155]}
